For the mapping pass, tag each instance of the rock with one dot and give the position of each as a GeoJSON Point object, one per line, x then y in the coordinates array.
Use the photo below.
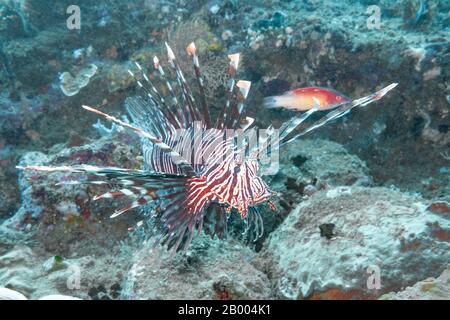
{"type": "Point", "coordinates": [28, 272]}
{"type": "Point", "coordinates": [19, 255]}
{"type": "Point", "coordinates": [63, 215]}
{"type": "Point", "coordinates": [227, 35]}
{"type": "Point", "coordinates": [277, 21]}
{"type": "Point", "coordinates": [16, 269]}
{"type": "Point", "coordinates": [440, 207]}
{"type": "Point", "coordinates": [326, 230]}
{"type": "Point", "coordinates": [374, 229]}
{"type": "Point", "coordinates": [311, 164]}
{"type": "Point", "coordinates": [8, 294]}
{"type": "Point", "coordinates": [9, 238]}
{"type": "Point", "coordinates": [429, 289]}
{"type": "Point", "coordinates": [210, 270]}
{"type": "Point", "coordinates": [58, 297]}
{"type": "Point", "coordinates": [324, 160]}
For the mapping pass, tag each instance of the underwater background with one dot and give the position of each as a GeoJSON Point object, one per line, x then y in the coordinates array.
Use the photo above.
{"type": "Point", "coordinates": [363, 203]}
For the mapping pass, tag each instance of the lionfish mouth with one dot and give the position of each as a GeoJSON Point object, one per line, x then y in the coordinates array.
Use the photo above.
{"type": "Point", "coordinates": [196, 170]}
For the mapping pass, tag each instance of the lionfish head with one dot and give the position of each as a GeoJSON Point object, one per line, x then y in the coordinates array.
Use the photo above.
{"type": "Point", "coordinates": [237, 185]}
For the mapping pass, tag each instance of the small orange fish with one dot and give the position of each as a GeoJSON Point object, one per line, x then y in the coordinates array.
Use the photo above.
{"type": "Point", "coordinates": [303, 99]}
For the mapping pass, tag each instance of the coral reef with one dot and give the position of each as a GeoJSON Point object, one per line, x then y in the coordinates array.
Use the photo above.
{"type": "Point", "coordinates": [63, 215]}
{"type": "Point", "coordinates": [57, 229]}
{"type": "Point", "coordinates": [26, 271]}
{"type": "Point", "coordinates": [327, 44]}
{"type": "Point", "coordinates": [305, 168]}
{"type": "Point", "coordinates": [428, 289]}
{"type": "Point", "coordinates": [332, 224]}
{"type": "Point", "coordinates": [321, 250]}
{"type": "Point", "coordinates": [210, 270]}
{"type": "Point", "coordinates": [372, 227]}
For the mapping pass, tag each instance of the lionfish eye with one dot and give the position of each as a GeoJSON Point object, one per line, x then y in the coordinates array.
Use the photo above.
{"type": "Point", "coordinates": [237, 169]}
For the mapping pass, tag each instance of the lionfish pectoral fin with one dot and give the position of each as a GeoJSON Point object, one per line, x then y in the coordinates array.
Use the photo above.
{"type": "Point", "coordinates": [177, 228]}
{"type": "Point", "coordinates": [272, 206]}
{"type": "Point", "coordinates": [344, 109]}
{"type": "Point", "coordinates": [182, 216]}
{"type": "Point", "coordinates": [216, 221]}
{"type": "Point", "coordinates": [254, 228]}
{"type": "Point", "coordinates": [139, 185]}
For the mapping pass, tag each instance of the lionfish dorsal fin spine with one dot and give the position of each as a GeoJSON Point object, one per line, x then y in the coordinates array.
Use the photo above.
{"type": "Point", "coordinates": [181, 111]}
{"type": "Point", "coordinates": [187, 95]}
{"type": "Point", "coordinates": [290, 126]}
{"type": "Point", "coordinates": [145, 116]}
{"type": "Point", "coordinates": [232, 70]}
{"type": "Point", "coordinates": [175, 157]}
{"type": "Point", "coordinates": [237, 106]}
{"type": "Point", "coordinates": [244, 89]}
{"type": "Point", "coordinates": [151, 92]}
{"type": "Point", "coordinates": [192, 52]}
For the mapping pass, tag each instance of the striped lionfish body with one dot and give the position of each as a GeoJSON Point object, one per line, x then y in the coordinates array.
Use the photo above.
{"type": "Point", "coordinates": [195, 171]}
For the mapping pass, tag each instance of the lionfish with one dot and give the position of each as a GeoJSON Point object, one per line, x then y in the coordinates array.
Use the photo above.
{"type": "Point", "coordinates": [197, 188]}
